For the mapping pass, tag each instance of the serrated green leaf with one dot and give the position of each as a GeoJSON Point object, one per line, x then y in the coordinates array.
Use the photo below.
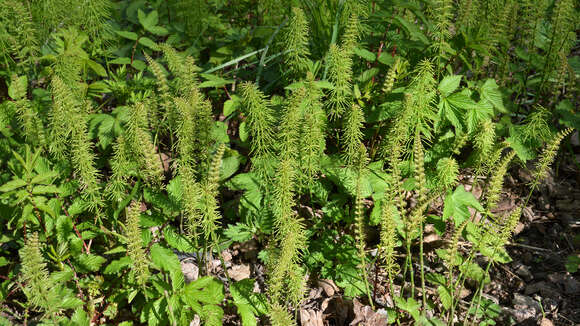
{"type": "Point", "coordinates": [449, 84]}
{"type": "Point", "coordinates": [457, 203]}
{"type": "Point", "coordinates": [145, 41]}
{"type": "Point", "coordinates": [157, 30]}
{"type": "Point", "coordinates": [12, 185]}
{"type": "Point", "coordinates": [118, 265]}
{"type": "Point", "coordinates": [90, 263]}
{"type": "Point", "coordinates": [490, 92]}
{"type": "Point", "coordinates": [45, 189]}
{"type": "Point", "coordinates": [20, 83]}
{"type": "Point", "coordinates": [148, 20]}
{"type": "Point", "coordinates": [128, 35]}
{"type": "Point", "coordinates": [445, 296]}
{"type": "Point", "coordinates": [167, 260]}
{"type": "Point", "coordinates": [365, 54]}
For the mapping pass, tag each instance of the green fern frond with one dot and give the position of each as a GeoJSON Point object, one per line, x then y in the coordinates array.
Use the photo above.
{"type": "Point", "coordinates": [467, 13]}
{"type": "Point", "coordinates": [64, 108]}
{"type": "Point", "coordinates": [419, 166]}
{"type": "Point", "coordinates": [442, 15]}
{"type": "Point", "coordinates": [260, 120]}
{"type": "Point", "coordinates": [496, 183]}
{"type": "Point", "coordinates": [140, 146]}
{"type": "Point", "coordinates": [296, 43]}
{"type": "Point", "coordinates": [447, 172]}
{"type": "Point", "coordinates": [395, 70]}
{"type": "Point", "coordinates": [484, 142]}
{"type": "Point", "coordinates": [167, 114]}
{"type": "Point", "coordinates": [194, 131]}
{"type": "Point", "coordinates": [192, 14]}
{"type": "Point", "coordinates": [18, 34]}
{"type": "Point", "coordinates": [312, 141]}
{"type": "Point", "coordinates": [536, 125]}
{"type": "Point", "coordinates": [209, 193]}
{"type": "Point", "coordinates": [30, 122]}
{"type": "Point", "coordinates": [547, 157]}
{"type": "Point", "coordinates": [531, 17]}
{"type": "Point", "coordinates": [284, 285]}
{"type": "Point", "coordinates": [388, 235]}
{"type": "Point", "coordinates": [353, 135]}
{"type": "Point", "coordinates": [290, 125]}
{"type": "Point", "coordinates": [184, 69]}
{"type": "Point", "coordinates": [351, 34]}
{"type": "Point", "coordinates": [340, 75]}
{"type": "Point", "coordinates": [135, 249]}
{"type": "Point", "coordinates": [121, 167]}
{"type": "Point", "coordinates": [563, 36]}
{"type": "Point", "coordinates": [83, 159]}
{"type": "Point", "coordinates": [362, 162]}
{"type": "Point", "coordinates": [38, 286]}
{"type": "Point", "coordinates": [279, 316]}
{"type": "Point", "coordinates": [95, 14]}
{"type": "Point", "coordinates": [509, 226]}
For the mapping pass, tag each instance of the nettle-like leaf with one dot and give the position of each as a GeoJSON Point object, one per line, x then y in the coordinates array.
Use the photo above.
{"type": "Point", "coordinates": [449, 84]}
{"type": "Point", "coordinates": [167, 261]}
{"type": "Point", "coordinates": [491, 93]}
{"type": "Point", "coordinates": [457, 203]}
{"type": "Point", "coordinates": [204, 296]}
{"type": "Point", "coordinates": [249, 303]}
{"type": "Point", "coordinates": [90, 263]}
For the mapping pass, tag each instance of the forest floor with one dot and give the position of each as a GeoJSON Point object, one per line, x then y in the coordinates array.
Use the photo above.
{"type": "Point", "coordinates": [534, 289]}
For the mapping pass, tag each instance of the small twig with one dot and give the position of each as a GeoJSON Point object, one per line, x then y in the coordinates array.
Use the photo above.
{"type": "Point", "coordinates": [530, 247]}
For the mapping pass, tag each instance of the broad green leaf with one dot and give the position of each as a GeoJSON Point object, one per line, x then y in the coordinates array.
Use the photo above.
{"type": "Point", "coordinates": [449, 84]}
{"type": "Point", "coordinates": [145, 41]}
{"type": "Point", "coordinates": [97, 68]}
{"type": "Point", "coordinates": [243, 130]}
{"type": "Point", "coordinates": [365, 54]}
{"type": "Point", "coordinates": [230, 164]}
{"type": "Point", "coordinates": [477, 113]}
{"type": "Point", "coordinates": [177, 241]}
{"type": "Point", "coordinates": [436, 279]}
{"type": "Point", "coordinates": [410, 305]}
{"type": "Point", "coordinates": [474, 272]}
{"type": "Point", "coordinates": [42, 189]}
{"type": "Point", "coordinates": [490, 92]}
{"type": "Point", "coordinates": [12, 185]}
{"type": "Point", "coordinates": [447, 111]}
{"type": "Point", "coordinates": [21, 83]}
{"type": "Point", "coordinates": [128, 35]}
{"type": "Point", "coordinates": [249, 303]}
{"type": "Point", "coordinates": [44, 177]}
{"type": "Point", "coordinates": [457, 203]}
{"type": "Point", "coordinates": [214, 81]}
{"type": "Point", "coordinates": [122, 60]}
{"type": "Point", "coordinates": [212, 315]}
{"type": "Point", "coordinates": [445, 296]}
{"type": "Point", "coordinates": [117, 265]}
{"type": "Point", "coordinates": [167, 260]}
{"type": "Point", "coordinates": [139, 65]}
{"type": "Point", "coordinates": [64, 228]}
{"type": "Point", "coordinates": [149, 20]}
{"type": "Point", "coordinates": [572, 263]}
{"type": "Point", "coordinates": [90, 263]}
{"type": "Point", "coordinates": [157, 30]}
{"type": "Point", "coordinates": [239, 232]}
{"type": "Point", "coordinates": [499, 255]}
{"type": "Point", "coordinates": [230, 106]}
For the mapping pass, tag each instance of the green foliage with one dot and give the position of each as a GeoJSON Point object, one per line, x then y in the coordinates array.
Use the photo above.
{"type": "Point", "coordinates": [136, 133]}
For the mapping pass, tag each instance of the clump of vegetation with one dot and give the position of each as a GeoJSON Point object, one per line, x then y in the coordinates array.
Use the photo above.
{"type": "Point", "coordinates": [136, 132]}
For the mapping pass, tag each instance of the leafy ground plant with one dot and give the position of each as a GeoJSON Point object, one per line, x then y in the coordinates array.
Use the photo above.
{"type": "Point", "coordinates": [151, 148]}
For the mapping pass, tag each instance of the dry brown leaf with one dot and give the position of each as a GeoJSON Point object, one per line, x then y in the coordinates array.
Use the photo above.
{"type": "Point", "coordinates": [239, 272]}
